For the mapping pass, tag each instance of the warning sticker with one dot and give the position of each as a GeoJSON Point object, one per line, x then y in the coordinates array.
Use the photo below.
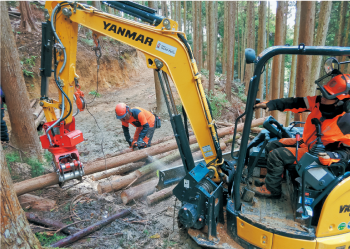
{"type": "Point", "coordinates": [207, 151]}
{"type": "Point", "coordinates": [318, 173]}
{"type": "Point", "coordinates": [166, 48]}
{"type": "Point", "coordinates": [206, 148]}
{"type": "Point", "coordinates": [187, 183]}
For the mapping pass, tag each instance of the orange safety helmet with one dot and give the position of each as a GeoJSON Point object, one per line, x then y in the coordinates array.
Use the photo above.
{"type": "Point", "coordinates": [120, 110]}
{"type": "Point", "coordinates": [338, 87]}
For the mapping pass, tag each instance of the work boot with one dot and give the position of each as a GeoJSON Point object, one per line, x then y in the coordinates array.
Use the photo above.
{"type": "Point", "coordinates": [259, 182]}
{"type": "Point", "coordinates": [264, 192]}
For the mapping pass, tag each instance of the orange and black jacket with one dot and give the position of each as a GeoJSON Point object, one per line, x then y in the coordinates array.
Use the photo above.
{"type": "Point", "coordinates": [140, 118]}
{"type": "Point", "coordinates": [336, 130]}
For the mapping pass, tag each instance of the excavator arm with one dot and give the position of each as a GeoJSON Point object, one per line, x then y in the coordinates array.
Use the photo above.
{"type": "Point", "coordinates": [166, 50]}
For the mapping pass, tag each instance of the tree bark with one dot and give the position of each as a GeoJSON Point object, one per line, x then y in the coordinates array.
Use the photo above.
{"type": "Point", "coordinates": [160, 195]}
{"type": "Point", "coordinates": [23, 135]}
{"type": "Point", "coordinates": [346, 44]}
{"type": "Point", "coordinates": [261, 47]}
{"type": "Point", "coordinates": [185, 17]}
{"type": "Point", "coordinates": [230, 46]}
{"type": "Point", "coordinates": [212, 42]}
{"type": "Point", "coordinates": [36, 203]}
{"type": "Point", "coordinates": [225, 41]}
{"type": "Point", "coordinates": [96, 4]}
{"type": "Point", "coordinates": [342, 13]}
{"type": "Point", "coordinates": [284, 38]}
{"type": "Point", "coordinates": [294, 58]}
{"type": "Point", "coordinates": [200, 36]}
{"type": "Point", "coordinates": [51, 179]}
{"type": "Point", "coordinates": [27, 21]}
{"type": "Point", "coordinates": [194, 30]}
{"type": "Point", "coordinates": [276, 62]}
{"type": "Point", "coordinates": [207, 35]}
{"type": "Point", "coordinates": [139, 191]}
{"type": "Point", "coordinates": [267, 94]}
{"type": "Point", "coordinates": [15, 229]}
{"type": "Point", "coordinates": [179, 15]}
{"type": "Point", "coordinates": [306, 34]}
{"type": "Point", "coordinates": [322, 30]}
{"type": "Point", "coordinates": [250, 38]}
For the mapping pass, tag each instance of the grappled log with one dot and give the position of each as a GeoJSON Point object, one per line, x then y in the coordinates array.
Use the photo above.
{"type": "Point", "coordinates": [160, 195]}
{"type": "Point", "coordinates": [126, 180]}
{"type": "Point", "coordinates": [90, 168]}
{"type": "Point", "coordinates": [33, 218]}
{"type": "Point", "coordinates": [139, 191]}
{"type": "Point", "coordinates": [89, 230]}
{"type": "Point", "coordinates": [32, 202]}
{"type": "Point", "coordinates": [117, 171]}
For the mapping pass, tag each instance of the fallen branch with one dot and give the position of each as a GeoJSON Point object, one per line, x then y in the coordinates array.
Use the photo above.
{"type": "Point", "coordinates": [160, 195]}
{"type": "Point", "coordinates": [33, 218]}
{"type": "Point", "coordinates": [91, 168]}
{"type": "Point", "coordinates": [89, 230]}
{"type": "Point", "coordinates": [70, 225]}
{"type": "Point", "coordinates": [139, 191]}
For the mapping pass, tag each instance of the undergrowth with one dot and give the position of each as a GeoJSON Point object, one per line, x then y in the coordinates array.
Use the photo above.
{"type": "Point", "coordinates": [36, 166]}
{"type": "Point", "coordinates": [47, 240]}
{"type": "Point", "coordinates": [94, 93]}
{"type": "Point", "coordinates": [217, 103]}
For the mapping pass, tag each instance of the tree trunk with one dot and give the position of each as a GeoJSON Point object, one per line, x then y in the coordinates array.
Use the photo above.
{"type": "Point", "coordinates": [194, 30]}
{"type": "Point", "coordinates": [322, 29]}
{"type": "Point", "coordinates": [230, 46]}
{"type": "Point", "coordinates": [212, 42]}
{"type": "Point", "coordinates": [261, 47]}
{"type": "Point", "coordinates": [225, 41]}
{"type": "Point", "coordinates": [283, 60]}
{"type": "Point", "coordinates": [96, 4]}
{"type": "Point", "coordinates": [27, 21]}
{"type": "Point", "coordinates": [306, 34]}
{"type": "Point", "coordinates": [291, 92]}
{"type": "Point", "coordinates": [160, 195]}
{"type": "Point", "coordinates": [267, 94]}
{"type": "Point", "coordinates": [139, 191]}
{"type": "Point", "coordinates": [185, 17]}
{"type": "Point", "coordinates": [200, 36]}
{"type": "Point", "coordinates": [276, 62]}
{"type": "Point", "coordinates": [342, 12]}
{"type": "Point", "coordinates": [15, 229]}
{"type": "Point", "coordinates": [179, 15]}
{"type": "Point", "coordinates": [164, 9]}
{"type": "Point", "coordinates": [117, 171]}
{"type": "Point", "coordinates": [243, 46]}
{"type": "Point", "coordinates": [207, 35]}
{"type": "Point", "coordinates": [23, 135]}
{"type": "Point", "coordinates": [33, 202]}
{"type": "Point", "coordinates": [250, 37]}
{"type": "Point", "coordinates": [346, 44]}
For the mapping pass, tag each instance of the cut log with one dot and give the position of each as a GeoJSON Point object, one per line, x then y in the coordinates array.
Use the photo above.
{"type": "Point", "coordinates": [160, 195]}
{"type": "Point", "coordinates": [37, 111]}
{"type": "Point", "coordinates": [40, 119]}
{"type": "Point", "coordinates": [117, 171]}
{"type": "Point", "coordinates": [86, 231]}
{"type": "Point", "coordinates": [36, 203]}
{"type": "Point", "coordinates": [139, 191]}
{"type": "Point", "coordinates": [224, 123]}
{"type": "Point", "coordinates": [33, 218]}
{"type": "Point", "coordinates": [126, 180]}
{"type": "Point", "coordinates": [91, 168]}
{"type": "Point", "coordinates": [32, 103]}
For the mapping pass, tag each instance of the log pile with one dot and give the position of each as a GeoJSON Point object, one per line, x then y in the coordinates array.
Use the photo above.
{"type": "Point", "coordinates": [121, 160]}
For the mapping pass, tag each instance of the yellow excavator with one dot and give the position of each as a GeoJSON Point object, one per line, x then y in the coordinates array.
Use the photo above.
{"type": "Point", "coordinates": [213, 210]}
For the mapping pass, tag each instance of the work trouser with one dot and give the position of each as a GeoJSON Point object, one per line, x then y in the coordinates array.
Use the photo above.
{"type": "Point", "coordinates": [149, 135]}
{"type": "Point", "coordinates": [281, 155]}
{"type": "Point", "coordinates": [4, 132]}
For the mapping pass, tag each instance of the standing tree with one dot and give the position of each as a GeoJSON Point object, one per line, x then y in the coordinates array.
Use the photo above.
{"type": "Point", "coordinates": [250, 39]}
{"type": "Point", "coordinates": [207, 31]}
{"type": "Point", "coordinates": [294, 58]}
{"type": "Point", "coordinates": [224, 43]}
{"type": "Point", "coordinates": [284, 38]}
{"type": "Point", "coordinates": [23, 134]}
{"type": "Point", "coordinates": [306, 34]}
{"type": "Point", "coordinates": [14, 230]}
{"type": "Point", "coordinates": [96, 4]}
{"type": "Point", "coordinates": [231, 6]}
{"type": "Point", "coordinates": [194, 30]}
{"type": "Point", "coordinates": [342, 12]}
{"type": "Point", "coordinates": [165, 9]}
{"type": "Point", "coordinates": [185, 16]}
{"type": "Point", "coordinates": [322, 29]}
{"type": "Point", "coordinates": [261, 47]}
{"type": "Point", "coordinates": [346, 44]}
{"type": "Point", "coordinates": [27, 21]}
{"type": "Point", "coordinates": [179, 15]}
{"type": "Point", "coordinates": [200, 35]}
{"type": "Point", "coordinates": [212, 42]}
{"type": "Point", "coordinates": [161, 106]}
{"type": "Point", "coordinates": [268, 93]}
{"type": "Point", "coordinates": [276, 62]}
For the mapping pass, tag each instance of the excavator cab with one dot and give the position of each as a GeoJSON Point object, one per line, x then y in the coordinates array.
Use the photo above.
{"type": "Point", "coordinates": [312, 210]}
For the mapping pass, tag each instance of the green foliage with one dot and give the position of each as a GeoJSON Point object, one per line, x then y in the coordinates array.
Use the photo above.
{"type": "Point", "coordinates": [46, 240]}
{"type": "Point", "coordinates": [13, 157]}
{"type": "Point", "coordinates": [48, 156]}
{"type": "Point", "coordinates": [87, 41]}
{"type": "Point", "coordinates": [240, 94]}
{"type": "Point", "coordinates": [217, 102]}
{"type": "Point", "coordinates": [205, 72]}
{"type": "Point", "coordinates": [146, 232]}
{"type": "Point", "coordinates": [37, 168]}
{"type": "Point", "coordinates": [27, 73]}
{"type": "Point", "coordinates": [168, 243]}
{"type": "Point", "coordinates": [94, 93]}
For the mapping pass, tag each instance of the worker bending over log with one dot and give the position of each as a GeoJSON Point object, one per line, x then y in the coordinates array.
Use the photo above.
{"type": "Point", "coordinates": [144, 121]}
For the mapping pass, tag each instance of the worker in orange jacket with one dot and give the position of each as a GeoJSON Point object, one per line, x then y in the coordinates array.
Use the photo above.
{"type": "Point", "coordinates": [335, 127]}
{"type": "Point", "coordinates": [140, 118]}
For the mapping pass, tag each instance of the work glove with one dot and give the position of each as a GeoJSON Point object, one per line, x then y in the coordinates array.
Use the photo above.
{"type": "Point", "coordinates": [130, 142]}
{"type": "Point", "coordinates": [261, 105]}
{"type": "Point", "coordinates": [133, 144]}
{"type": "Point", "coordinates": [141, 143]}
{"type": "Point", "coordinates": [327, 158]}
